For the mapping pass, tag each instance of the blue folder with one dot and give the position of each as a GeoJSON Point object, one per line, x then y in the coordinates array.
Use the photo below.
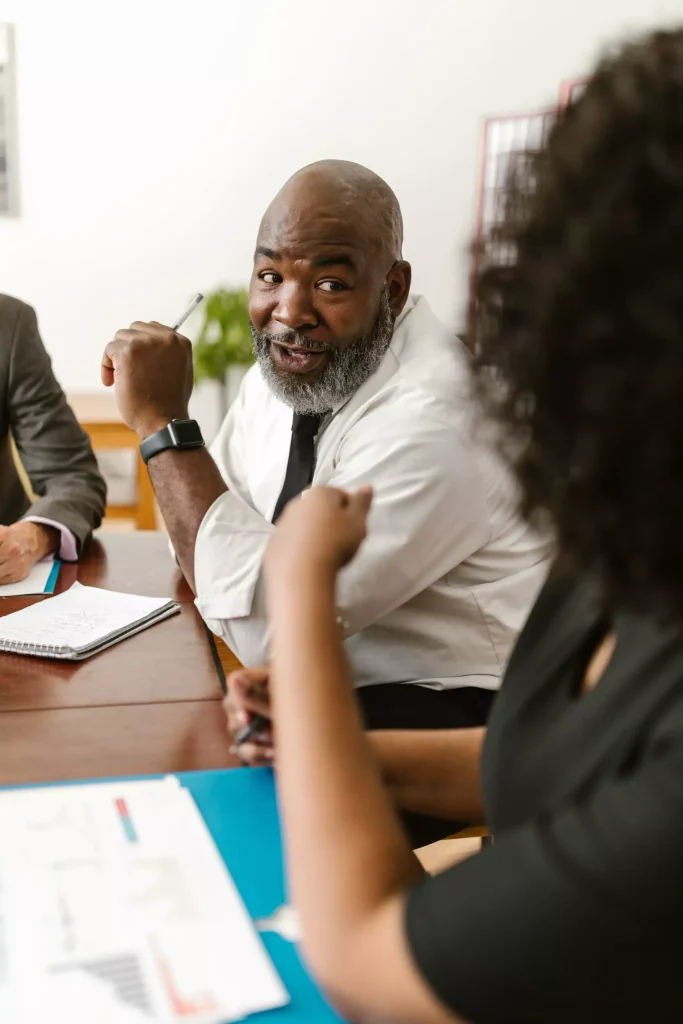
{"type": "Point", "coordinates": [52, 578]}
{"type": "Point", "coordinates": [240, 809]}
{"type": "Point", "coordinates": [239, 806]}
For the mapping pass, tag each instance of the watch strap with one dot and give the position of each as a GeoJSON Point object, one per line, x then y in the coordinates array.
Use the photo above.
{"type": "Point", "coordinates": [182, 435]}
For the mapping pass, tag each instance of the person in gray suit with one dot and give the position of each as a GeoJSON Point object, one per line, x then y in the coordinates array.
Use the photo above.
{"type": "Point", "coordinates": [54, 451]}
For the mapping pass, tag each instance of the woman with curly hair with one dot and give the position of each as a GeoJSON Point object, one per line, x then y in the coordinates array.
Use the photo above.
{"type": "Point", "coordinates": [575, 912]}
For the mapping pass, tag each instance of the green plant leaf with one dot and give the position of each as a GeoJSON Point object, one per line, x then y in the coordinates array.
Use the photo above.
{"type": "Point", "coordinates": [225, 336]}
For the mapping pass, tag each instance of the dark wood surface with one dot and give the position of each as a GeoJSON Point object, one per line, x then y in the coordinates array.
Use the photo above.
{"type": "Point", "coordinates": [151, 703]}
{"type": "Point", "coordinates": [132, 739]}
{"type": "Point", "coordinates": [137, 563]}
{"type": "Point", "coordinates": [169, 661]}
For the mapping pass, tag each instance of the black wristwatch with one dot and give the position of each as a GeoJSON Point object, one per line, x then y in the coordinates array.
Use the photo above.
{"type": "Point", "coordinates": [179, 434]}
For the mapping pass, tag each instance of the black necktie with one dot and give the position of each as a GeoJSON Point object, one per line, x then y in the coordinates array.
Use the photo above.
{"type": "Point", "coordinates": [301, 460]}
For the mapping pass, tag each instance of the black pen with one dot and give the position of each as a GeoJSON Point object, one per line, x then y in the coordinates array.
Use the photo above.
{"type": "Point", "coordinates": [257, 723]}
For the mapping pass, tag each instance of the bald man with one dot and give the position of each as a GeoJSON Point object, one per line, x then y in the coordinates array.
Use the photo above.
{"type": "Point", "coordinates": [356, 382]}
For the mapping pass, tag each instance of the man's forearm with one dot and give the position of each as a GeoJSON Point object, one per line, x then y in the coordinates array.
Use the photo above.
{"type": "Point", "coordinates": [186, 484]}
{"type": "Point", "coordinates": [434, 772]}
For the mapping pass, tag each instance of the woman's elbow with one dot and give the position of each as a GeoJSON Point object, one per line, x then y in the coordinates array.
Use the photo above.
{"type": "Point", "coordinates": [334, 972]}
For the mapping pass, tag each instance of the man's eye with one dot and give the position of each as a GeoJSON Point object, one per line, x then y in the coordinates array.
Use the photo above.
{"type": "Point", "coordinates": [332, 286]}
{"type": "Point", "coordinates": [270, 277]}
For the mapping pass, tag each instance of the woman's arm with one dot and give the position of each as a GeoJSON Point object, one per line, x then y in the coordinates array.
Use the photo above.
{"type": "Point", "coordinates": [433, 772]}
{"type": "Point", "coordinates": [349, 862]}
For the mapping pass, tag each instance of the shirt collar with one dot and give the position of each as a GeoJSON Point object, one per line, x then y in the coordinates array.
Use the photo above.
{"type": "Point", "coordinates": [390, 353]}
{"type": "Point", "coordinates": [410, 305]}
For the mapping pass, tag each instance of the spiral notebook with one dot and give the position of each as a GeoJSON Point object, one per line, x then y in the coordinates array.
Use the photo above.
{"type": "Point", "coordinates": [81, 622]}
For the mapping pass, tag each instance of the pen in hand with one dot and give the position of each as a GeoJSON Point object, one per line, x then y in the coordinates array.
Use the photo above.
{"type": "Point", "coordinates": [186, 312]}
{"type": "Point", "coordinates": [247, 732]}
{"type": "Point", "coordinates": [248, 707]}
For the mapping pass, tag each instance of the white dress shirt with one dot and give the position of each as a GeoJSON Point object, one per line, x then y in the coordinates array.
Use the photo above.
{"type": "Point", "coordinates": [448, 573]}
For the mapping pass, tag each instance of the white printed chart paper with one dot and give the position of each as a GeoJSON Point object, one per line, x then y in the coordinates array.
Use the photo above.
{"type": "Point", "coordinates": [116, 905]}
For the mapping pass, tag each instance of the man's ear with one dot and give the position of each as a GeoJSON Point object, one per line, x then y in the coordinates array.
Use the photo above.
{"type": "Point", "coordinates": [398, 285]}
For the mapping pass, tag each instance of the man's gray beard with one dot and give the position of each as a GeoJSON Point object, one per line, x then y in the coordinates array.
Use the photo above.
{"type": "Point", "coordinates": [346, 368]}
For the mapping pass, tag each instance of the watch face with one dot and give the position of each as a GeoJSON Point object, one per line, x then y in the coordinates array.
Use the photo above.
{"type": "Point", "coordinates": [186, 433]}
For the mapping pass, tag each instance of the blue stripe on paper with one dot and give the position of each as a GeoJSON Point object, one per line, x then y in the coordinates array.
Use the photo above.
{"type": "Point", "coordinates": [52, 578]}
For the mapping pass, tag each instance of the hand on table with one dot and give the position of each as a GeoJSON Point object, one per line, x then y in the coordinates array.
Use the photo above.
{"type": "Point", "coordinates": [22, 545]}
{"type": "Point", "coordinates": [247, 697]}
{"type": "Point", "coordinates": [151, 366]}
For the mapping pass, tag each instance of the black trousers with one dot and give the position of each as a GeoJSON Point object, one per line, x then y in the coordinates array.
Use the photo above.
{"type": "Point", "coordinates": [405, 706]}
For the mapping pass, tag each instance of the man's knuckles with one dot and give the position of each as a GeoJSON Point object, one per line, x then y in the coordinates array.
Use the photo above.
{"type": "Point", "coordinates": [164, 345]}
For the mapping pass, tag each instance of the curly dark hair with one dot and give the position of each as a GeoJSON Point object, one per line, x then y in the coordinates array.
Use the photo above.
{"type": "Point", "coordinates": [579, 327]}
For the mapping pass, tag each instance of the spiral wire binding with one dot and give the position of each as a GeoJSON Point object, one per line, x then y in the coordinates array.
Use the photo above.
{"type": "Point", "coordinates": [38, 650]}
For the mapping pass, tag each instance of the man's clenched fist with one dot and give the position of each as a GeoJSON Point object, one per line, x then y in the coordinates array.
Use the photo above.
{"type": "Point", "coordinates": [151, 367]}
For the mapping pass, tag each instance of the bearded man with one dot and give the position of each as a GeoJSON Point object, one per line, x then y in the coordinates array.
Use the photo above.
{"type": "Point", "coordinates": [356, 382]}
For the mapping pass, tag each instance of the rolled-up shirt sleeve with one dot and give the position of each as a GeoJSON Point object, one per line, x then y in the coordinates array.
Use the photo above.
{"type": "Point", "coordinates": [429, 512]}
{"type": "Point", "coordinates": [231, 543]}
{"type": "Point", "coordinates": [229, 551]}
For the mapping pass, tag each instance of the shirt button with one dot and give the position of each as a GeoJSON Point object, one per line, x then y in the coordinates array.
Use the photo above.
{"type": "Point", "coordinates": [342, 623]}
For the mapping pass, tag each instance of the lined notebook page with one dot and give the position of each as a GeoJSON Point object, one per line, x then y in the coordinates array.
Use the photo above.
{"type": "Point", "coordinates": [78, 619]}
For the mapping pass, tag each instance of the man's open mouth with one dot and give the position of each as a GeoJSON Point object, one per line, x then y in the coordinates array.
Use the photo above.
{"type": "Point", "coordinates": [297, 358]}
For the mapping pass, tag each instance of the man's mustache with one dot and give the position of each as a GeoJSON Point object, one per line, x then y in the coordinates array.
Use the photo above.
{"type": "Point", "coordinates": [293, 338]}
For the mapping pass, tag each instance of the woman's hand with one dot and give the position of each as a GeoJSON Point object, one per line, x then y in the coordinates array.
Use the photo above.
{"type": "Point", "coordinates": [324, 529]}
{"type": "Point", "coordinates": [248, 696]}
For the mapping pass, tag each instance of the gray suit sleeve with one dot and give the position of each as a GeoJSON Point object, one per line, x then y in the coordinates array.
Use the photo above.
{"type": "Point", "coordinates": [55, 451]}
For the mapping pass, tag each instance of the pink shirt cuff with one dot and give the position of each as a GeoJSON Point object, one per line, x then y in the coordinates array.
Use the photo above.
{"type": "Point", "coordinates": [67, 547]}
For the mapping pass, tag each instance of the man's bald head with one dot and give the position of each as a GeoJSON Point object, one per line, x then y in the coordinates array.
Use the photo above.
{"type": "Point", "coordinates": [328, 283]}
{"type": "Point", "coordinates": [353, 191]}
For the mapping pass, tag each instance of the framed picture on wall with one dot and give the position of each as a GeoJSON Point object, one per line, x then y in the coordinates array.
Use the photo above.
{"type": "Point", "coordinates": [9, 182]}
{"type": "Point", "coordinates": [504, 138]}
{"type": "Point", "coordinates": [571, 89]}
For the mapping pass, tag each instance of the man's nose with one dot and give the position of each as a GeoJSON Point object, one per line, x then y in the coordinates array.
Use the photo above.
{"type": "Point", "coordinates": [294, 309]}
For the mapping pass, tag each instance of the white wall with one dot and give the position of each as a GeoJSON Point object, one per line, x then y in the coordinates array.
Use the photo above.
{"type": "Point", "coordinates": [154, 133]}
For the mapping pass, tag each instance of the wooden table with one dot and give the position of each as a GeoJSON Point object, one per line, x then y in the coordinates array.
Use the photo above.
{"type": "Point", "coordinates": [149, 704]}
